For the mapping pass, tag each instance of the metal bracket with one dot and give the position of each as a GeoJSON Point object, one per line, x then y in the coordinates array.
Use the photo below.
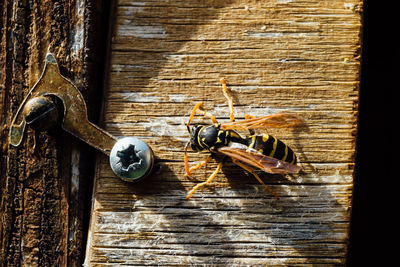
{"type": "Point", "coordinates": [129, 163]}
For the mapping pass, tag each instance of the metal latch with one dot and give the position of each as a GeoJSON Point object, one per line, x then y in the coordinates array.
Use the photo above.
{"type": "Point", "coordinates": [130, 158]}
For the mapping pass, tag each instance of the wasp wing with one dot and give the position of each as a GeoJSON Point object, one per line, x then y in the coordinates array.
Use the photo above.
{"type": "Point", "coordinates": [271, 121]}
{"type": "Point", "coordinates": [258, 160]}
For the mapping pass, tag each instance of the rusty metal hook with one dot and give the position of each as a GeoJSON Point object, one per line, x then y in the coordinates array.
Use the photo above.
{"type": "Point", "coordinates": [75, 121]}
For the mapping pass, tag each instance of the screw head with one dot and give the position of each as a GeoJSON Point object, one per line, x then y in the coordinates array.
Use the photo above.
{"type": "Point", "coordinates": [131, 159]}
{"type": "Point", "coordinates": [41, 113]}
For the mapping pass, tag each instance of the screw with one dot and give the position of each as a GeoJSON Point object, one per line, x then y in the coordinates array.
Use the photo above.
{"type": "Point", "coordinates": [41, 113]}
{"type": "Point", "coordinates": [131, 159]}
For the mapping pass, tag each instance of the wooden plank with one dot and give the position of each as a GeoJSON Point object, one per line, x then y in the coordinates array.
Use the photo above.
{"type": "Point", "coordinates": [46, 181]}
{"type": "Point", "coordinates": [301, 57]}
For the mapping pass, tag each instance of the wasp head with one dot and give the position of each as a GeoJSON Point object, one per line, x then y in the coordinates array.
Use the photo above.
{"type": "Point", "coordinates": [194, 140]}
{"type": "Point", "coordinates": [203, 137]}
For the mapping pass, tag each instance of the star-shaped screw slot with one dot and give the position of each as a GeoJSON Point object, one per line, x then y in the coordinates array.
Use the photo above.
{"type": "Point", "coordinates": [129, 158]}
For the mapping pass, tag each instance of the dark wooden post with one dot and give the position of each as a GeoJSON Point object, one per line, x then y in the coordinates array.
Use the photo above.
{"type": "Point", "coordinates": [44, 182]}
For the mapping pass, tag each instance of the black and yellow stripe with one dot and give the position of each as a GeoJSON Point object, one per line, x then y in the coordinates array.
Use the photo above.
{"type": "Point", "coordinates": [271, 146]}
{"type": "Point", "coordinates": [211, 137]}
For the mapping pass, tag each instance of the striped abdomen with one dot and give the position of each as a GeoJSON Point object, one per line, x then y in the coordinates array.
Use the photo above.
{"type": "Point", "coordinates": [271, 146]}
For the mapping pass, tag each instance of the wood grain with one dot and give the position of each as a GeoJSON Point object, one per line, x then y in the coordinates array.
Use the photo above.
{"type": "Point", "coordinates": [301, 57]}
{"type": "Point", "coordinates": [44, 182]}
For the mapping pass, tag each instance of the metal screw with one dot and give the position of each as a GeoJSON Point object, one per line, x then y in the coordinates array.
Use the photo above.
{"type": "Point", "coordinates": [41, 113]}
{"type": "Point", "coordinates": [131, 159]}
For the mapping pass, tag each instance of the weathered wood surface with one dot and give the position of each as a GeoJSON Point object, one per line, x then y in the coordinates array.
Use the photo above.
{"type": "Point", "coordinates": [301, 57]}
{"type": "Point", "coordinates": [43, 181]}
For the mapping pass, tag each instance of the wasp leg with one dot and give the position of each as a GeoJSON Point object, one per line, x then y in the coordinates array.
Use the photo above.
{"type": "Point", "coordinates": [186, 159]}
{"type": "Point", "coordinates": [197, 109]}
{"type": "Point", "coordinates": [251, 170]}
{"type": "Point", "coordinates": [198, 166]}
{"type": "Point", "coordinates": [229, 98]}
{"type": "Point", "coordinates": [249, 117]}
{"type": "Point", "coordinates": [209, 180]}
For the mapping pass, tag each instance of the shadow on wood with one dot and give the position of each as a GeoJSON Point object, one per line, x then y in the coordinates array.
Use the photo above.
{"type": "Point", "coordinates": [277, 56]}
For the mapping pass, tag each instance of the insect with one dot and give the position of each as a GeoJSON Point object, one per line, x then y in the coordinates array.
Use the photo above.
{"type": "Point", "coordinates": [264, 152]}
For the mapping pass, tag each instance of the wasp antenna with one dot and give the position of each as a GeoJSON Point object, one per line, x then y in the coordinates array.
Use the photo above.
{"type": "Point", "coordinates": [196, 107]}
{"type": "Point", "coordinates": [188, 128]}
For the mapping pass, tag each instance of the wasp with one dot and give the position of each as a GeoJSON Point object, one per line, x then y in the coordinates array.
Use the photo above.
{"type": "Point", "coordinates": [263, 151]}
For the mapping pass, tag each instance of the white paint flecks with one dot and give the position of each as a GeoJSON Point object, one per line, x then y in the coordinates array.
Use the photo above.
{"type": "Point", "coordinates": [142, 31]}
{"type": "Point", "coordinates": [178, 98]}
{"type": "Point", "coordinates": [280, 34]}
{"type": "Point", "coordinates": [176, 58]}
{"type": "Point", "coordinates": [172, 127]}
{"type": "Point", "coordinates": [75, 173]}
{"type": "Point", "coordinates": [138, 97]}
{"type": "Point", "coordinates": [284, 1]}
{"type": "Point", "coordinates": [79, 30]}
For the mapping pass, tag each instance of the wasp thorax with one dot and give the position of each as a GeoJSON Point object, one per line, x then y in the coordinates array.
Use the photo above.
{"type": "Point", "coordinates": [41, 113]}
